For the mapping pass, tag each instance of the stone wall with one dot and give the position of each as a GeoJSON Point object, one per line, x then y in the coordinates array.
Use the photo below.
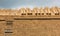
{"type": "Point", "coordinates": [35, 27]}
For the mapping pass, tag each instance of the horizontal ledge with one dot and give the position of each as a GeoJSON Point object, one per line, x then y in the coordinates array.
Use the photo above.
{"type": "Point", "coordinates": [2, 20]}
{"type": "Point", "coordinates": [36, 18]}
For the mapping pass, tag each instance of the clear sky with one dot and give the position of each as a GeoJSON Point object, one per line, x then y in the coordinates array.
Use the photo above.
{"type": "Point", "coordinates": [28, 3]}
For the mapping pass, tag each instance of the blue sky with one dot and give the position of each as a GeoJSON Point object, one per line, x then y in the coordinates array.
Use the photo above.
{"type": "Point", "coordinates": [28, 3]}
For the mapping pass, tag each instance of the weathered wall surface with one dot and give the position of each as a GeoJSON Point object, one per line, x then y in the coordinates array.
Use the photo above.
{"type": "Point", "coordinates": [11, 27]}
